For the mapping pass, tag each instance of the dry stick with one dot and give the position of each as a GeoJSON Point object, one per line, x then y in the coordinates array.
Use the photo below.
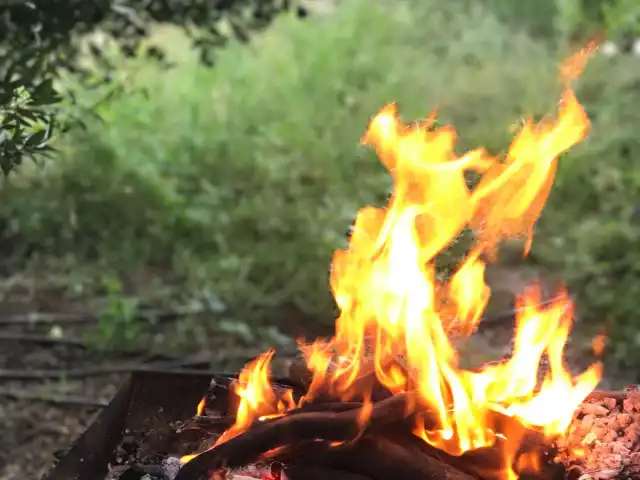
{"type": "Point", "coordinates": [301, 427]}
{"type": "Point", "coordinates": [47, 318]}
{"type": "Point", "coordinates": [173, 366]}
{"type": "Point", "coordinates": [215, 424]}
{"type": "Point", "coordinates": [41, 339]}
{"type": "Point", "coordinates": [159, 367]}
{"type": "Point", "coordinates": [73, 400]}
{"type": "Point", "coordinates": [34, 318]}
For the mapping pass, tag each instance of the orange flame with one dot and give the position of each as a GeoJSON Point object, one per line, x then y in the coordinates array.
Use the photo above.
{"type": "Point", "coordinates": [394, 311]}
{"type": "Point", "coordinates": [201, 407]}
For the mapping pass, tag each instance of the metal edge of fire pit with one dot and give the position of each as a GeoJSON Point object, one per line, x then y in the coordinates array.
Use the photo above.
{"type": "Point", "coordinates": [147, 401]}
{"type": "Point", "coordinates": [89, 455]}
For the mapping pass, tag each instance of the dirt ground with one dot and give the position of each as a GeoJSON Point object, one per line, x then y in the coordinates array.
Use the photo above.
{"type": "Point", "coordinates": [46, 401]}
{"type": "Point", "coordinates": [53, 381]}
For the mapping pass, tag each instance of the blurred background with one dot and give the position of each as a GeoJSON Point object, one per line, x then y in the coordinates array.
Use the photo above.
{"type": "Point", "coordinates": [177, 174]}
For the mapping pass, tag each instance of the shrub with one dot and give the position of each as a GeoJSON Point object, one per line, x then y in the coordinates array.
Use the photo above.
{"type": "Point", "coordinates": [38, 41]}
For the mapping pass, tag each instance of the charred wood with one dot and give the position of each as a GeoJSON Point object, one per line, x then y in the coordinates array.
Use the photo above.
{"type": "Point", "coordinates": [294, 428]}
{"type": "Point", "coordinates": [378, 458]}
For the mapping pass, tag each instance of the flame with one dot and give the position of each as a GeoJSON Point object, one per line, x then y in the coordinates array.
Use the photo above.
{"type": "Point", "coordinates": [397, 318]}
{"type": "Point", "coordinates": [201, 407]}
{"type": "Point", "coordinates": [258, 401]}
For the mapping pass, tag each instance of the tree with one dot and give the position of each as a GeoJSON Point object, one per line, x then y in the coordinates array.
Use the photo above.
{"type": "Point", "coordinates": [41, 38]}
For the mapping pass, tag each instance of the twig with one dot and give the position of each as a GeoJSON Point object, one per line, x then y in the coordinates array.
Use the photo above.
{"type": "Point", "coordinates": [34, 318]}
{"type": "Point", "coordinates": [73, 400]}
{"type": "Point", "coordinates": [41, 339]}
{"type": "Point", "coordinates": [159, 367]}
{"type": "Point", "coordinates": [171, 366]}
{"type": "Point", "coordinates": [216, 424]}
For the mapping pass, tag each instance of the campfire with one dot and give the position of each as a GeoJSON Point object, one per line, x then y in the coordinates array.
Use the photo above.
{"type": "Point", "coordinates": [387, 397]}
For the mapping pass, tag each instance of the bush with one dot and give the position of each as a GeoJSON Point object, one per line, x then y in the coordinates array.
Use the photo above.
{"type": "Point", "coordinates": [39, 40]}
{"type": "Point", "coordinates": [246, 177]}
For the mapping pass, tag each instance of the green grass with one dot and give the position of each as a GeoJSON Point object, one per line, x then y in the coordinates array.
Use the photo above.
{"type": "Point", "coordinates": [244, 178]}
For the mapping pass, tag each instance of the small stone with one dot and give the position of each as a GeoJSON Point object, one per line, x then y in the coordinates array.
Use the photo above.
{"type": "Point", "coordinates": [587, 422]}
{"type": "Point", "coordinates": [627, 405]}
{"type": "Point", "coordinates": [171, 467]}
{"type": "Point", "coordinates": [630, 434]}
{"type": "Point", "coordinates": [609, 402]}
{"type": "Point", "coordinates": [594, 409]}
{"type": "Point", "coordinates": [612, 461]}
{"type": "Point", "coordinates": [619, 448]}
{"type": "Point", "coordinates": [613, 424]}
{"type": "Point", "coordinates": [607, 474]}
{"type": "Point", "coordinates": [600, 432]}
{"type": "Point", "coordinates": [624, 420]}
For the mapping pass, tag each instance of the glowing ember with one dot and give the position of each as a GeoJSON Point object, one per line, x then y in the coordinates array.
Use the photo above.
{"type": "Point", "coordinates": [393, 307]}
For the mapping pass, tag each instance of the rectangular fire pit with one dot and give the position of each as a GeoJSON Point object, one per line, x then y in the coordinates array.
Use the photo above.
{"type": "Point", "coordinates": [150, 424]}
{"type": "Point", "coordinates": [138, 430]}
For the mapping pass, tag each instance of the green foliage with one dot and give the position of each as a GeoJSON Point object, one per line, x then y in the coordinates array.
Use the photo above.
{"type": "Point", "coordinates": [119, 326]}
{"type": "Point", "coordinates": [560, 22]}
{"type": "Point", "coordinates": [26, 116]}
{"type": "Point", "coordinates": [246, 177]}
{"type": "Point", "coordinates": [622, 18]}
{"type": "Point", "coordinates": [26, 125]}
{"type": "Point", "coordinates": [617, 20]}
{"type": "Point", "coordinates": [39, 38]}
{"type": "Point", "coordinates": [534, 17]}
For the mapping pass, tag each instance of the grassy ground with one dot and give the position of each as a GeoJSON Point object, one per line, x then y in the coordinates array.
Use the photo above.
{"type": "Point", "coordinates": [228, 188]}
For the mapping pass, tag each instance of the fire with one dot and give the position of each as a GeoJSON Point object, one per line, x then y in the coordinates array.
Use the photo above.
{"type": "Point", "coordinates": [397, 318]}
{"type": "Point", "coordinates": [257, 399]}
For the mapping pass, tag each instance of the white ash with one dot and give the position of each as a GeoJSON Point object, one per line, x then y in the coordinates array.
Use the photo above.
{"type": "Point", "coordinates": [171, 467]}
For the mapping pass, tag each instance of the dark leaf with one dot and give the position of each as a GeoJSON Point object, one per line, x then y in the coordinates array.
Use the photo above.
{"type": "Point", "coordinates": [37, 140]}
